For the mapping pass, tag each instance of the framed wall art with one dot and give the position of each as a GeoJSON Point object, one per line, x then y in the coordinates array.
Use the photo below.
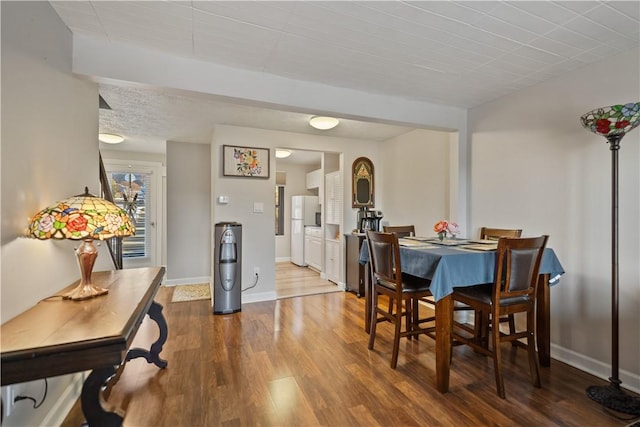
{"type": "Point", "coordinates": [247, 162]}
{"type": "Point", "coordinates": [362, 184]}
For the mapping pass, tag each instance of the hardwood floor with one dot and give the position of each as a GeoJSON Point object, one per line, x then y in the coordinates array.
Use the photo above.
{"type": "Point", "coordinates": [304, 362]}
{"type": "Point", "coordinates": [293, 281]}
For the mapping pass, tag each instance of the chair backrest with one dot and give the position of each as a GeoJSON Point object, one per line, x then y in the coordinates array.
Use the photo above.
{"type": "Point", "coordinates": [384, 257]}
{"type": "Point", "coordinates": [400, 230]}
{"type": "Point", "coordinates": [496, 233]}
{"type": "Point", "coordinates": [517, 268]}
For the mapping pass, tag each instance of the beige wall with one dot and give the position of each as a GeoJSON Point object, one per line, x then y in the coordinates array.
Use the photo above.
{"type": "Point", "coordinates": [535, 167]}
{"type": "Point", "coordinates": [415, 188]}
{"type": "Point", "coordinates": [49, 133]}
{"type": "Point", "coordinates": [189, 227]}
{"type": "Point", "coordinates": [49, 152]}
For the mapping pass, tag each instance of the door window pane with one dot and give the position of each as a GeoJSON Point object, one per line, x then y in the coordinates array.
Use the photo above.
{"type": "Point", "coordinates": [130, 191]}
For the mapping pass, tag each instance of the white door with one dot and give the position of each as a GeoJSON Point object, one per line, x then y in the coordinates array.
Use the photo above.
{"type": "Point", "coordinates": [136, 187]}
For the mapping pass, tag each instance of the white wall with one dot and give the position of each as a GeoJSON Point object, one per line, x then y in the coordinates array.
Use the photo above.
{"type": "Point", "coordinates": [49, 152]}
{"type": "Point", "coordinates": [258, 234]}
{"type": "Point", "coordinates": [133, 155]}
{"type": "Point", "coordinates": [126, 62]}
{"type": "Point", "coordinates": [535, 167]}
{"type": "Point", "coordinates": [415, 189]}
{"type": "Point", "coordinates": [189, 229]}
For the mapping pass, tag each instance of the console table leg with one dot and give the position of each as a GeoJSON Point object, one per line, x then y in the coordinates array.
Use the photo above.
{"type": "Point", "coordinates": [92, 402]}
{"type": "Point", "coordinates": [153, 354]}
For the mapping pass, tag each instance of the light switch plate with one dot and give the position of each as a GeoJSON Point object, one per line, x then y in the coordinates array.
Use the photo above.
{"type": "Point", "coordinates": [258, 207]}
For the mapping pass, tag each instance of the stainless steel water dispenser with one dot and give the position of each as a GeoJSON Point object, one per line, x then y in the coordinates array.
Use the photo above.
{"type": "Point", "coordinates": [227, 272]}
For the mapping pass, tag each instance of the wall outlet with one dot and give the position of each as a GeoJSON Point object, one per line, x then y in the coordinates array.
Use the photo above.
{"type": "Point", "coordinates": [256, 271]}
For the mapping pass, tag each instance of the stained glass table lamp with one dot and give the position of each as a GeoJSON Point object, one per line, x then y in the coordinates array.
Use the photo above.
{"type": "Point", "coordinates": [84, 217]}
{"type": "Point", "coordinates": [614, 123]}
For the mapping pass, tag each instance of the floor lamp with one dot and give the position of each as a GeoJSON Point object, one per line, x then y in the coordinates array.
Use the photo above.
{"type": "Point", "coordinates": [613, 123]}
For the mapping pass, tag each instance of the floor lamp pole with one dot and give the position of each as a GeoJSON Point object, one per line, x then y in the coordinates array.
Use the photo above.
{"type": "Point", "coordinates": [612, 396]}
{"type": "Point", "coordinates": [614, 146]}
{"type": "Point", "coordinates": [614, 122]}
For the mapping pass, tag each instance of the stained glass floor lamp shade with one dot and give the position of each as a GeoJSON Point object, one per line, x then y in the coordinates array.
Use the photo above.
{"type": "Point", "coordinates": [87, 218]}
{"type": "Point", "coordinates": [614, 123]}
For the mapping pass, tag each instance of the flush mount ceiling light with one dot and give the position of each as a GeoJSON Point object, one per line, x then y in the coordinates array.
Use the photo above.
{"type": "Point", "coordinates": [282, 154]}
{"type": "Point", "coordinates": [110, 138]}
{"type": "Point", "coordinates": [323, 123]}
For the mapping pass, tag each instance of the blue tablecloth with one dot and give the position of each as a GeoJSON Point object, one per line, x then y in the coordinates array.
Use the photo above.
{"type": "Point", "coordinates": [449, 267]}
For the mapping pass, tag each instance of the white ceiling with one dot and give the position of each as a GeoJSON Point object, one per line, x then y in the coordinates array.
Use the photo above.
{"type": "Point", "coordinates": [457, 53]}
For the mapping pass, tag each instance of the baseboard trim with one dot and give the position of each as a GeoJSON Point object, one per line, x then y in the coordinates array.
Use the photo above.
{"type": "Point", "coordinates": [65, 402]}
{"type": "Point", "coordinates": [630, 381]}
{"type": "Point", "coordinates": [259, 297]}
{"type": "Point", "coordinates": [283, 259]}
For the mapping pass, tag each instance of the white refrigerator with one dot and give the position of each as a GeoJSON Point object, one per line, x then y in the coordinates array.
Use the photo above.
{"type": "Point", "coordinates": [303, 212]}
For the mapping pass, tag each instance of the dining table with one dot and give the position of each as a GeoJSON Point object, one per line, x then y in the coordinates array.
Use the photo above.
{"type": "Point", "coordinates": [451, 264]}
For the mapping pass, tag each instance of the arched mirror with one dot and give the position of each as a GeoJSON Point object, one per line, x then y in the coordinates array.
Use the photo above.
{"type": "Point", "coordinates": [362, 183]}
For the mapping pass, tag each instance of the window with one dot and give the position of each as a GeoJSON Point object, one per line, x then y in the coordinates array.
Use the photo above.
{"type": "Point", "coordinates": [130, 191]}
{"type": "Point", "coordinates": [279, 210]}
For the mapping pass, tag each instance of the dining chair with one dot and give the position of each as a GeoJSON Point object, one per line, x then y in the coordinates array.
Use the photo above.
{"type": "Point", "coordinates": [494, 234]}
{"type": "Point", "coordinates": [400, 230]}
{"type": "Point", "coordinates": [408, 231]}
{"type": "Point", "coordinates": [513, 290]}
{"type": "Point", "coordinates": [387, 279]}
{"type": "Point", "coordinates": [403, 231]}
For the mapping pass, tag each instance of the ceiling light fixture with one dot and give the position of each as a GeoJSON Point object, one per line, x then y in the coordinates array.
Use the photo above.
{"type": "Point", "coordinates": [110, 138]}
{"type": "Point", "coordinates": [323, 123]}
{"type": "Point", "coordinates": [282, 154]}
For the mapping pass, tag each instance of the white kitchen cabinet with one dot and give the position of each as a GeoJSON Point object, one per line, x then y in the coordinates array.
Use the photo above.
{"type": "Point", "coordinates": [314, 179]}
{"type": "Point", "coordinates": [313, 247]}
{"type": "Point", "coordinates": [333, 192]}
{"type": "Point", "coordinates": [333, 217]}
{"type": "Point", "coordinates": [333, 260]}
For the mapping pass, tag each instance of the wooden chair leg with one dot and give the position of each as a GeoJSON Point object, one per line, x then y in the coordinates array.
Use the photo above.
{"type": "Point", "coordinates": [415, 317]}
{"type": "Point", "coordinates": [396, 336]}
{"type": "Point", "coordinates": [534, 364]}
{"type": "Point", "coordinates": [497, 355]}
{"type": "Point", "coordinates": [374, 319]}
{"type": "Point", "coordinates": [484, 332]}
{"type": "Point", "coordinates": [512, 328]}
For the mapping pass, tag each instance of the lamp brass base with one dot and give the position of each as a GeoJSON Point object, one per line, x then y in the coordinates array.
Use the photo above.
{"type": "Point", "coordinates": [86, 254]}
{"type": "Point", "coordinates": [85, 291]}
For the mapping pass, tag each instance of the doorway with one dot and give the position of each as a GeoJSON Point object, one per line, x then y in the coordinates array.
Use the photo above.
{"type": "Point", "coordinates": [136, 187]}
{"type": "Point", "coordinates": [301, 173]}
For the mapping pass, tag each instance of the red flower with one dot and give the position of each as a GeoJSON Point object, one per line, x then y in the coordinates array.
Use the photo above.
{"type": "Point", "coordinates": [603, 125]}
{"type": "Point", "coordinates": [622, 124]}
{"type": "Point", "coordinates": [78, 223]}
{"type": "Point", "coordinates": [440, 226]}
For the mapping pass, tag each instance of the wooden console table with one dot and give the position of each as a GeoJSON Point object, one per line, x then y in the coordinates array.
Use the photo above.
{"type": "Point", "coordinates": [58, 337]}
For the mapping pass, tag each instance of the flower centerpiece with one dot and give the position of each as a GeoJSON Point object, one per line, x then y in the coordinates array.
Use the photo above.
{"type": "Point", "coordinates": [446, 228]}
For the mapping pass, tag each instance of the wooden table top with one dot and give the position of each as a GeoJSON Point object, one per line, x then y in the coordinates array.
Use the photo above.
{"type": "Point", "coordinates": [79, 334]}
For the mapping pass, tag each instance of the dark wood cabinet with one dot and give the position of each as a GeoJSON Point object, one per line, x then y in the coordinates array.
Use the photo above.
{"type": "Point", "coordinates": [355, 270]}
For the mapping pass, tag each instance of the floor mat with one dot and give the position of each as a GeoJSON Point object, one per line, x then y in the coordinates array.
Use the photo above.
{"type": "Point", "coordinates": [191, 292]}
